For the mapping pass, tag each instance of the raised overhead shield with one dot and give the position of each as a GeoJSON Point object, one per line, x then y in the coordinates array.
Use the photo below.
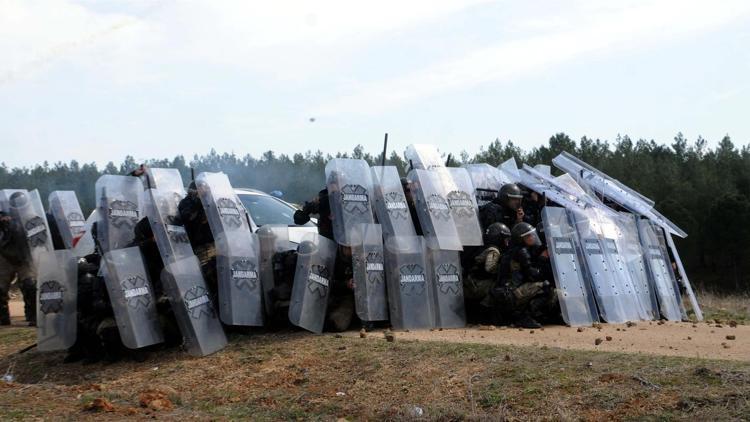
{"type": "Point", "coordinates": [423, 157]}
{"type": "Point", "coordinates": [64, 207]}
{"type": "Point", "coordinates": [349, 186]}
{"type": "Point", "coordinates": [463, 205]}
{"type": "Point", "coordinates": [612, 287]}
{"type": "Point", "coordinates": [273, 239]}
{"type": "Point", "coordinates": [193, 307]}
{"type": "Point", "coordinates": [316, 257]}
{"type": "Point", "coordinates": [165, 179]}
{"type": "Point", "coordinates": [27, 209]}
{"type": "Point", "coordinates": [407, 275]}
{"type": "Point", "coordinates": [370, 297]}
{"type": "Point", "coordinates": [56, 304]}
{"type": "Point", "coordinates": [573, 290]}
{"type": "Point", "coordinates": [487, 181]}
{"type": "Point", "coordinates": [433, 210]}
{"type": "Point", "coordinates": [446, 289]}
{"type": "Point", "coordinates": [238, 252]}
{"type": "Point", "coordinates": [390, 202]}
{"type": "Point", "coordinates": [660, 270]}
{"type": "Point", "coordinates": [119, 206]}
{"type": "Point", "coordinates": [132, 297]}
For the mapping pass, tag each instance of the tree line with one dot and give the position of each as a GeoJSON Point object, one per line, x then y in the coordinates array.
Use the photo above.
{"type": "Point", "coordinates": [705, 191]}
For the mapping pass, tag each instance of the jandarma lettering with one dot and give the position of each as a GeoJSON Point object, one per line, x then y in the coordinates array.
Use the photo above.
{"type": "Point", "coordinates": [355, 197]}
{"type": "Point", "coordinates": [123, 213]}
{"type": "Point", "coordinates": [435, 205]}
{"type": "Point", "coordinates": [36, 230]}
{"type": "Point", "coordinates": [136, 292]}
{"type": "Point", "coordinates": [374, 266]}
{"type": "Point", "coordinates": [198, 301]}
{"type": "Point", "coordinates": [50, 296]}
{"type": "Point", "coordinates": [400, 205]}
{"type": "Point", "coordinates": [249, 274]}
{"type": "Point", "coordinates": [461, 203]}
{"type": "Point", "coordinates": [448, 278]}
{"type": "Point", "coordinates": [318, 279]}
{"type": "Point", "coordinates": [228, 211]}
{"type": "Point", "coordinates": [412, 278]}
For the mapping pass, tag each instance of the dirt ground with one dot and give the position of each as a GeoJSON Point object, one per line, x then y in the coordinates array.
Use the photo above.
{"type": "Point", "coordinates": [699, 340]}
{"type": "Point", "coordinates": [478, 373]}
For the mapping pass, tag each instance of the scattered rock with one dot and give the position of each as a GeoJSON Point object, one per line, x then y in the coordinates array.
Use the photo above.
{"type": "Point", "coordinates": [440, 329]}
{"type": "Point", "coordinates": [726, 346]}
{"type": "Point", "coordinates": [342, 347]}
{"type": "Point", "coordinates": [99, 404]}
{"type": "Point", "coordinates": [660, 323]}
{"type": "Point", "coordinates": [695, 326]}
{"type": "Point", "coordinates": [362, 333]}
{"type": "Point", "coordinates": [597, 326]}
{"type": "Point", "coordinates": [717, 321]}
{"type": "Point", "coordinates": [338, 336]}
{"type": "Point", "coordinates": [618, 329]}
{"type": "Point", "coordinates": [580, 329]}
{"type": "Point", "coordinates": [507, 358]}
{"type": "Point", "coordinates": [690, 338]}
{"type": "Point", "coordinates": [733, 324]}
{"type": "Point", "coordinates": [598, 341]}
{"type": "Point", "coordinates": [719, 326]}
{"type": "Point", "coordinates": [531, 332]}
{"type": "Point", "coordinates": [631, 324]}
{"type": "Point", "coordinates": [487, 328]}
{"type": "Point", "coordinates": [155, 400]}
{"type": "Point", "coordinates": [731, 337]}
{"type": "Point", "coordinates": [609, 338]}
{"type": "Point", "coordinates": [389, 337]}
{"type": "Point", "coordinates": [712, 331]}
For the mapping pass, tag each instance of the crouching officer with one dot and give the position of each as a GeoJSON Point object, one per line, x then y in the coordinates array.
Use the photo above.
{"type": "Point", "coordinates": [524, 294]}
{"type": "Point", "coordinates": [482, 274]}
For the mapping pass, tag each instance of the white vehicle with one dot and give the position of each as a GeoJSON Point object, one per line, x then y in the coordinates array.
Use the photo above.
{"type": "Point", "coordinates": [262, 209]}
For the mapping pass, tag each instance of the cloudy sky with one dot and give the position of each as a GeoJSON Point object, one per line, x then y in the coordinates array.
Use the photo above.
{"type": "Point", "coordinates": [97, 80]}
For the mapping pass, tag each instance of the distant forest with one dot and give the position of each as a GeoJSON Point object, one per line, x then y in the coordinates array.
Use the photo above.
{"type": "Point", "coordinates": [706, 191]}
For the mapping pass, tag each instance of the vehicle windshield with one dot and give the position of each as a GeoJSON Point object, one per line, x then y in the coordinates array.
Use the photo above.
{"type": "Point", "coordinates": [268, 210]}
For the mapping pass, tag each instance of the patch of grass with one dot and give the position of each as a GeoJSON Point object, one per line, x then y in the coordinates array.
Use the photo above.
{"type": "Point", "coordinates": [725, 307]}
{"type": "Point", "coordinates": [287, 376]}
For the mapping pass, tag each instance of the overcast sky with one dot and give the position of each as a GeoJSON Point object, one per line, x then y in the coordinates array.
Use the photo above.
{"type": "Point", "coordinates": [98, 80]}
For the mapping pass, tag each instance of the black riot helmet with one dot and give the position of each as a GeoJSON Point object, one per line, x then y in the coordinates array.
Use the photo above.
{"type": "Point", "coordinates": [18, 199]}
{"type": "Point", "coordinates": [508, 193]}
{"type": "Point", "coordinates": [524, 234]}
{"type": "Point", "coordinates": [497, 234]}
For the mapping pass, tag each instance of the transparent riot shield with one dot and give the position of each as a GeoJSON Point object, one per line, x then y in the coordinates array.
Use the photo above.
{"type": "Point", "coordinates": [165, 179]}
{"type": "Point", "coordinates": [26, 208]}
{"type": "Point", "coordinates": [446, 289]}
{"type": "Point", "coordinates": [132, 298]}
{"type": "Point", "coordinates": [316, 257]}
{"type": "Point", "coordinates": [423, 157]}
{"type": "Point", "coordinates": [370, 296]}
{"type": "Point", "coordinates": [273, 239]}
{"type": "Point", "coordinates": [193, 307]}
{"type": "Point", "coordinates": [390, 202]}
{"type": "Point", "coordinates": [85, 243]}
{"type": "Point", "coordinates": [487, 181]}
{"type": "Point", "coordinates": [632, 253]}
{"type": "Point", "coordinates": [510, 169]}
{"type": "Point", "coordinates": [119, 206]}
{"type": "Point", "coordinates": [171, 237]}
{"type": "Point", "coordinates": [65, 209]}
{"type": "Point", "coordinates": [660, 270]}
{"type": "Point", "coordinates": [349, 184]}
{"type": "Point", "coordinates": [609, 276]}
{"type": "Point", "coordinates": [56, 304]}
{"type": "Point", "coordinates": [573, 290]}
{"type": "Point", "coordinates": [463, 205]}
{"type": "Point", "coordinates": [238, 252]}
{"type": "Point", "coordinates": [407, 277]}
{"type": "Point", "coordinates": [433, 211]}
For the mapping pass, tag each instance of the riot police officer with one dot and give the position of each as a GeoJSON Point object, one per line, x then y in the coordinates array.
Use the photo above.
{"type": "Point", "coordinates": [524, 293]}
{"type": "Point", "coordinates": [16, 264]}
{"type": "Point", "coordinates": [506, 208]}
{"type": "Point", "coordinates": [483, 272]}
